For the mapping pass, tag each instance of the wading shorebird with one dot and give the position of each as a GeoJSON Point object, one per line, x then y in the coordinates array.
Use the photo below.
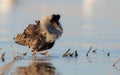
{"type": "Point", "coordinates": [42, 35]}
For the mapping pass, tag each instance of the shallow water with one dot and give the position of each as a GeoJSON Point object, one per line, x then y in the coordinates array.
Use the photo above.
{"type": "Point", "coordinates": [98, 63]}
{"type": "Point", "coordinates": [86, 23]}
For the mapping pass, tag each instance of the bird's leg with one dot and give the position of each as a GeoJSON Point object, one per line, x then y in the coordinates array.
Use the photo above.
{"type": "Point", "coordinates": [34, 53]}
{"type": "Point", "coordinates": [44, 53]}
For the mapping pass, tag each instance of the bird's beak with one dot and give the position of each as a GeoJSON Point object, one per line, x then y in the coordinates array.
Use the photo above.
{"type": "Point", "coordinates": [60, 29]}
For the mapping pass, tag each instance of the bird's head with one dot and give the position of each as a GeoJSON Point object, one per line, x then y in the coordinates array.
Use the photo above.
{"type": "Point", "coordinates": [55, 23]}
{"type": "Point", "coordinates": [51, 27]}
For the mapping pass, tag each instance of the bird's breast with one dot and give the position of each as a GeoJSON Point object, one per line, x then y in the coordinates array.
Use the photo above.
{"type": "Point", "coordinates": [51, 37]}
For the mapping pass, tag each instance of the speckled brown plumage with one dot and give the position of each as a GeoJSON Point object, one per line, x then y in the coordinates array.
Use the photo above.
{"type": "Point", "coordinates": [32, 37]}
{"type": "Point", "coordinates": [42, 35]}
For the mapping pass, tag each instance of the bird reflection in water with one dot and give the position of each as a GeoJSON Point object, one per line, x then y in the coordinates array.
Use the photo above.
{"type": "Point", "coordinates": [36, 68]}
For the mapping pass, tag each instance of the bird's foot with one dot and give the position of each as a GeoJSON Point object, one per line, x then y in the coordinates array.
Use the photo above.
{"type": "Point", "coordinates": [44, 53]}
{"type": "Point", "coordinates": [34, 53]}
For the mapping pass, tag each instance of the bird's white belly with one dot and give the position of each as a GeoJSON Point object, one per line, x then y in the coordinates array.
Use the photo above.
{"type": "Point", "coordinates": [51, 37]}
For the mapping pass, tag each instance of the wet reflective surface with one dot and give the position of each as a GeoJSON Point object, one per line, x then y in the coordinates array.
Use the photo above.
{"type": "Point", "coordinates": [100, 62]}
{"type": "Point", "coordinates": [86, 23]}
{"type": "Point", "coordinates": [35, 68]}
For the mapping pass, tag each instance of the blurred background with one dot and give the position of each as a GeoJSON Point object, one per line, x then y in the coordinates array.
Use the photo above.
{"type": "Point", "coordinates": [86, 22]}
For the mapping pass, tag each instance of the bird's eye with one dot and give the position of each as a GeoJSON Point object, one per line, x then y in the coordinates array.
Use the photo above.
{"type": "Point", "coordinates": [54, 24]}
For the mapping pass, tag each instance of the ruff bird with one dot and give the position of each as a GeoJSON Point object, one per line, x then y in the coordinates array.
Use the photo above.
{"type": "Point", "coordinates": [42, 35]}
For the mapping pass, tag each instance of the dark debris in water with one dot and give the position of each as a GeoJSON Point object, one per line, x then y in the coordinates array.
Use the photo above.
{"type": "Point", "coordinates": [88, 51]}
{"type": "Point", "coordinates": [69, 54]}
{"type": "Point", "coordinates": [3, 57]}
